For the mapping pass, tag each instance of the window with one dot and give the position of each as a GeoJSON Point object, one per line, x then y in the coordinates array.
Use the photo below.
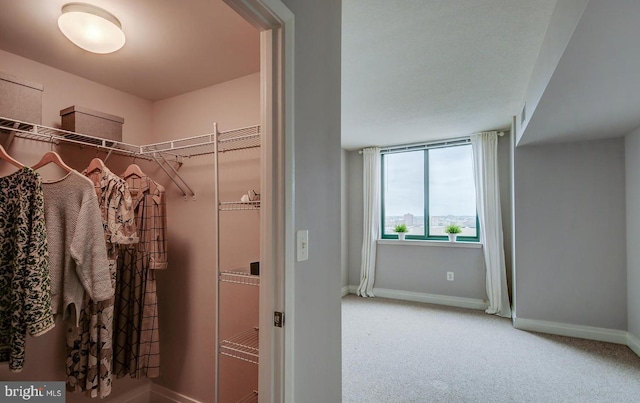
{"type": "Point", "coordinates": [427, 189]}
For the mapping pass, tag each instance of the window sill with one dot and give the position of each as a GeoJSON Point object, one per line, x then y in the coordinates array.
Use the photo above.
{"type": "Point", "coordinates": [418, 242]}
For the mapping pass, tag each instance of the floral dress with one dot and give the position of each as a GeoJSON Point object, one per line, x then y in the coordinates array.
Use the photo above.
{"type": "Point", "coordinates": [89, 346]}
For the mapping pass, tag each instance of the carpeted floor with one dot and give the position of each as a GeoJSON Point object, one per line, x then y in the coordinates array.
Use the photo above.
{"type": "Point", "coordinates": [398, 351]}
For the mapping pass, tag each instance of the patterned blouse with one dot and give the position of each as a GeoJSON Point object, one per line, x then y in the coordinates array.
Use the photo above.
{"type": "Point", "coordinates": [25, 289]}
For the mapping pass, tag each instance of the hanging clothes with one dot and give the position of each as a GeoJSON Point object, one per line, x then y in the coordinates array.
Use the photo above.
{"type": "Point", "coordinates": [136, 335]}
{"type": "Point", "coordinates": [25, 289]}
{"type": "Point", "coordinates": [89, 346]}
{"type": "Point", "coordinates": [77, 251]}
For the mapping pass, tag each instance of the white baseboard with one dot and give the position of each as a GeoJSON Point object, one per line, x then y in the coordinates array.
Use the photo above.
{"type": "Point", "coordinates": [345, 290]}
{"type": "Point", "coordinates": [633, 343]}
{"type": "Point", "coordinates": [152, 393]}
{"type": "Point", "coordinates": [426, 298]}
{"type": "Point", "coordinates": [561, 329]}
{"type": "Point", "coordinates": [137, 395]}
{"type": "Point", "coordinates": [579, 331]}
{"type": "Point", "coordinates": [459, 302]}
{"type": "Point", "coordinates": [160, 394]}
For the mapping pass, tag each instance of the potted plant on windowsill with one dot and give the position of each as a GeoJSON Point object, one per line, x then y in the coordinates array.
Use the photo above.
{"type": "Point", "coordinates": [453, 230]}
{"type": "Point", "coordinates": [401, 230]}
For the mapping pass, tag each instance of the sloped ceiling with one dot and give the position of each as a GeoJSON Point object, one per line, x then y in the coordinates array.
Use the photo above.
{"type": "Point", "coordinates": [594, 92]}
{"type": "Point", "coordinates": [419, 70]}
{"type": "Point", "coordinates": [172, 46]}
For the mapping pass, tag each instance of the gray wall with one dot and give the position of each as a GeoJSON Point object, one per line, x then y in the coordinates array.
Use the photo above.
{"type": "Point", "coordinates": [354, 216]}
{"type": "Point", "coordinates": [343, 219]}
{"type": "Point", "coordinates": [422, 268]}
{"type": "Point", "coordinates": [317, 320]}
{"type": "Point", "coordinates": [632, 161]}
{"type": "Point", "coordinates": [504, 171]}
{"type": "Point", "coordinates": [570, 233]}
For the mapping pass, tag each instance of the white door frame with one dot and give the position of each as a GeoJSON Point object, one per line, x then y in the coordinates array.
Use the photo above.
{"type": "Point", "coordinates": [276, 23]}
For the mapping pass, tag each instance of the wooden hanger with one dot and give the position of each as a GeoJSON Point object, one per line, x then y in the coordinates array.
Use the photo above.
{"type": "Point", "coordinates": [96, 164]}
{"type": "Point", "coordinates": [9, 159]}
{"type": "Point", "coordinates": [131, 170]}
{"type": "Point", "coordinates": [52, 156]}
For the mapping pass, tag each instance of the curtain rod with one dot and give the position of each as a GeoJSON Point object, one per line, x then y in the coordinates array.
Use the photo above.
{"type": "Point", "coordinates": [434, 144]}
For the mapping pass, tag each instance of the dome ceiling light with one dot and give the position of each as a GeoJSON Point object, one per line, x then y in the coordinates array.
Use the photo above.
{"type": "Point", "coordinates": [91, 28]}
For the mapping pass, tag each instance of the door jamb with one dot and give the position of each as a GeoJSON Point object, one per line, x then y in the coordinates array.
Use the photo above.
{"type": "Point", "coordinates": [276, 23]}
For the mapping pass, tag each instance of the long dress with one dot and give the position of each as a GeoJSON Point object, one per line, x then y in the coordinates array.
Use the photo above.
{"type": "Point", "coordinates": [136, 335]}
{"type": "Point", "coordinates": [89, 346]}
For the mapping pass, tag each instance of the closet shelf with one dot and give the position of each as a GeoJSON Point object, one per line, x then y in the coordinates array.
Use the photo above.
{"type": "Point", "coordinates": [243, 346]}
{"type": "Point", "coordinates": [250, 398]}
{"type": "Point", "coordinates": [52, 135]}
{"type": "Point", "coordinates": [160, 153]}
{"type": "Point", "coordinates": [231, 140]}
{"type": "Point", "coordinates": [230, 206]}
{"type": "Point", "coordinates": [239, 277]}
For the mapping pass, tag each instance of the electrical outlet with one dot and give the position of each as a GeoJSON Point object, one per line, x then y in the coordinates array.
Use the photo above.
{"type": "Point", "coordinates": [450, 275]}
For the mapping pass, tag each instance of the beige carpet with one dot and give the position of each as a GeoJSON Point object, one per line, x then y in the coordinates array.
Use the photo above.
{"type": "Point", "coordinates": [397, 351]}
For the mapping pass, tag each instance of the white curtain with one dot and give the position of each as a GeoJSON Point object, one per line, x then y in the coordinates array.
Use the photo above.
{"type": "Point", "coordinates": [485, 162]}
{"type": "Point", "coordinates": [371, 219]}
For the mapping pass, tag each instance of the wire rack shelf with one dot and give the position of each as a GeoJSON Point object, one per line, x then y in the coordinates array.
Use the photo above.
{"type": "Point", "coordinates": [250, 398]}
{"type": "Point", "coordinates": [239, 277]}
{"type": "Point", "coordinates": [243, 346]}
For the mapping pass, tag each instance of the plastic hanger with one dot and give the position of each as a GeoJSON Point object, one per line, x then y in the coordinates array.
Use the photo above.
{"type": "Point", "coordinates": [9, 159]}
{"type": "Point", "coordinates": [131, 170]}
{"type": "Point", "coordinates": [96, 164]}
{"type": "Point", "coordinates": [52, 156]}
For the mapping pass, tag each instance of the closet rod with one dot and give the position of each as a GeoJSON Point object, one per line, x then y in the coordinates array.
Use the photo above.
{"type": "Point", "coordinates": [31, 131]}
{"type": "Point", "coordinates": [163, 153]}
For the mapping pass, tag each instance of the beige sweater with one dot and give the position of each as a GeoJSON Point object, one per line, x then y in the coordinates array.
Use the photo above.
{"type": "Point", "coordinates": [77, 250]}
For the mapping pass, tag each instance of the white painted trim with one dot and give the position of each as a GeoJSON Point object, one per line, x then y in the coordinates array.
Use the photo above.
{"type": "Point", "coordinates": [459, 302]}
{"type": "Point", "coordinates": [137, 395]}
{"type": "Point", "coordinates": [345, 290]}
{"type": "Point", "coordinates": [571, 330]}
{"type": "Point", "coordinates": [164, 395]}
{"type": "Point", "coordinates": [437, 244]}
{"type": "Point", "coordinates": [276, 372]}
{"type": "Point", "coordinates": [633, 343]}
{"type": "Point", "coordinates": [540, 326]}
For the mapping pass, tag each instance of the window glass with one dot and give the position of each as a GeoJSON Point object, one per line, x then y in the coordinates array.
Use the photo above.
{"type": "Point", "coordinates": [403, 197]}
{"type": "Point", "coordinates": [452, 197]}
{"type": "Point", "coordinates": [436, 183]}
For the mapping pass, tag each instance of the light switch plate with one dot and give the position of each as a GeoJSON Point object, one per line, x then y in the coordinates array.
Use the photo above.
{"type": "Point", "coordinates": [302, 245]}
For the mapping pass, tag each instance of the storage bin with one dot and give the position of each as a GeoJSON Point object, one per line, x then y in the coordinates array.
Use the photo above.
{"type": "Point", "coordinates": [20, 99]}
{"type": "Point", "coordinates": [87, 121]}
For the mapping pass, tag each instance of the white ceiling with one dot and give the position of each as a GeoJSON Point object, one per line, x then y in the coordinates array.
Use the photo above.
{"type": "Point", "coordinates": [172, 46]}
{"type": "Point", "coordinates": [412, 70]}
{"type": "Point", "coordinates": [417, 70]}
{"type": "Point", "coordinates": [594, 92]}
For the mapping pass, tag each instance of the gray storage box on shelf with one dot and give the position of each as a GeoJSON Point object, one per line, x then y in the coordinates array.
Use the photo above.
{"type": "Point", "coordinates": [20, 99]}
{"type": "Point", "coordinates": [87, 121]}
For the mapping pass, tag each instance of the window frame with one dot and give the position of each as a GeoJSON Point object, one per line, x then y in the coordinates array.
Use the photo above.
{"type": "Point", "coordinates": [427, 236]}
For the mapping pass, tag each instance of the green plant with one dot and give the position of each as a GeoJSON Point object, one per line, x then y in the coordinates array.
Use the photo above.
{"type": "Point", "coordinates": [453, 229]}
{"type": "Point", "coordinates": [400, 228]}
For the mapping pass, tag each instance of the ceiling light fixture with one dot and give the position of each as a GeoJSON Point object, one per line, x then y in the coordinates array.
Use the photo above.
{"type": "Point", "coordinates": [91, 28]}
